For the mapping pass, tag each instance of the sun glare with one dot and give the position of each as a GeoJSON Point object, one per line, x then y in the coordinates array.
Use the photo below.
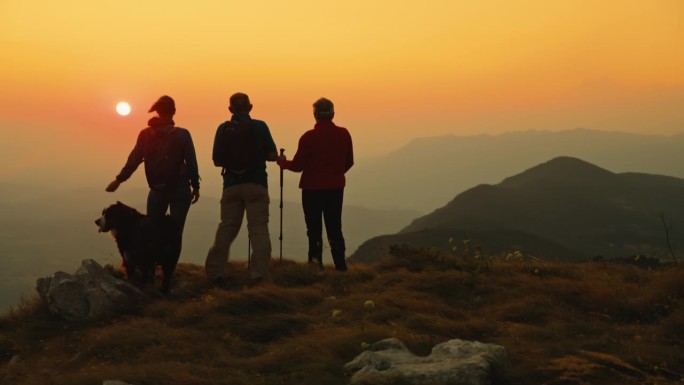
{"type": "Point", "coordinates": [123, 108]}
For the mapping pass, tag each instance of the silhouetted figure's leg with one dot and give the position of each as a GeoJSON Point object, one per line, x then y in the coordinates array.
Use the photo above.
{"type": "Point", "coordinates": [313, 212]}
{"type": "Point", "coordinates": [180, 204]}
{"type": "Point", "coordinates": [176, 201]}
{"type": "Point", "coordinates": [256, 203]}
{"type": "Point", "coordinates": [232, 212]}
{"type": "Point", "coordinates": [158, 202]}
{"type": "Point", "coordinates": [332, 213]}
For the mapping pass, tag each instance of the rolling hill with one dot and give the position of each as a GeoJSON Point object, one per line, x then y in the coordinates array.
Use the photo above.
{"type": "Point", "coordinates": [429, 171]}
{"type": "Point", "coordinates": [564, 209]}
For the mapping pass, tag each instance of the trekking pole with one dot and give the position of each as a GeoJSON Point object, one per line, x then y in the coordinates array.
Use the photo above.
{"type": "Point", "coordinates": [282, 152]}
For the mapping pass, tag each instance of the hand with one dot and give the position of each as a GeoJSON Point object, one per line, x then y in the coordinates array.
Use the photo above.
{"type": "Point", "coordinates": [281, 159]}
{"type": "Point", "coordinates": [113, 186]}
{"type": "Point", "coordinates": [195, 195]}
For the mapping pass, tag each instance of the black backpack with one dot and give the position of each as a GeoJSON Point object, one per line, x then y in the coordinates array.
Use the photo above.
{"type": "Point", "coordinates": [163, 159]}
{"type": "Point", "coordinates": [238, 148]}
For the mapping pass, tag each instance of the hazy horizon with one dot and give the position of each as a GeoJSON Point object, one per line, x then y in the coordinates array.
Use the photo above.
{"type": "Point", "coordinates": [94, 168]}
{"type": "Point", "coordinates": [48, 227]}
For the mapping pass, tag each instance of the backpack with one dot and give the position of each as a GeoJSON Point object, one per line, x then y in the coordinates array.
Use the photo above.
{"type": "Point", "coordinates": [163, 161]}
{"type": "Point", "coordinates": [238, 149]}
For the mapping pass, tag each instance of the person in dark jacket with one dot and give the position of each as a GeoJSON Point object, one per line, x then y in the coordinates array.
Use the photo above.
{"type": "Point", "coordinates": [170, 164]}
{"type": "Point", "coordinates": [323, 156]}
{"type": "Point", "coordinates": [243, 194]}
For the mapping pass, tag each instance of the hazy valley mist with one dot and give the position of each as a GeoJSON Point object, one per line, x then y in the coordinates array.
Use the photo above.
{"type": "Point", "coordinates": [48, 226]}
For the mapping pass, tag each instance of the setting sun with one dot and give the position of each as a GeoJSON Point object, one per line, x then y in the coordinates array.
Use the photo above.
{"type": "Point", "coordinates": [123, 108]}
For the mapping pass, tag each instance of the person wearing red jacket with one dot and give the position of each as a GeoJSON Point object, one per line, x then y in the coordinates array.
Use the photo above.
{"type": "Point", "coordinates": [323, 156]}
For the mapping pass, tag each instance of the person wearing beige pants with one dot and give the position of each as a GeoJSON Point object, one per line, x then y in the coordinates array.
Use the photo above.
{"type": "Point", "coordinates": [236, 200]}
{"type": "Point", "coordinates": [245, 189]}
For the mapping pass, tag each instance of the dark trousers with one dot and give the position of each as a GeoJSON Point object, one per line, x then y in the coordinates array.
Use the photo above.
{"type": "Point", "coordinates": [324, 205]}
{"type": "Point", "coordinates": [176, 200]}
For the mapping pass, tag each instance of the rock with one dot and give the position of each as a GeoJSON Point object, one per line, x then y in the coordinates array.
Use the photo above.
{"type": "Point", "coordinates": [64, 296]}
{"type": "Point", "coordinates": [91, 293]}
{"type": "Point", "coordinates": [454, 362]}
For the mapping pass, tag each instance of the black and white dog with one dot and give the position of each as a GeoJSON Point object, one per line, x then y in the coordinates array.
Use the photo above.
{"type": "Point", "coordinates": [144, 242]}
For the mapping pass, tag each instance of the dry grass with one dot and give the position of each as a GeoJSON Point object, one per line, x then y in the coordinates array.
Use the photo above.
{"type": "Point", "coordinates": [561, 323]}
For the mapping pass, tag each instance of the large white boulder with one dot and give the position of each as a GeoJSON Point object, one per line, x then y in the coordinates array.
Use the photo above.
{"type": "Point", "coordinates": [454, 362]}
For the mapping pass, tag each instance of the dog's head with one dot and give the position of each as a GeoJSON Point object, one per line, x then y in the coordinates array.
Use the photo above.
{"type": "Point", "coordinates": [114, 216]}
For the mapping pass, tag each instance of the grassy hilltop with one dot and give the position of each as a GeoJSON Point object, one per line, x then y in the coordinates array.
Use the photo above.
{"type": "Point", "coordinates": [561, 324]}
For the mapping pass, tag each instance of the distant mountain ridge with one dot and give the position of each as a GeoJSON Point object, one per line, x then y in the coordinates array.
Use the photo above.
{"type": "Point", "coordinates": [565, 209]}
{"type": "Point", "coordinates": [430, 171]}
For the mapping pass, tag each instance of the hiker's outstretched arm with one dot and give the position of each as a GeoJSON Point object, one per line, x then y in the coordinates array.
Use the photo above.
{"type": "Point", "coordinates": [134, 160]}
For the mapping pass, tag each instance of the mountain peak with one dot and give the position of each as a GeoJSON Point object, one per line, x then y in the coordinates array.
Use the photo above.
{"type": "Point", "coordinates": [568, 161]}
{"type": "Point", "coordinates": [562, 168]}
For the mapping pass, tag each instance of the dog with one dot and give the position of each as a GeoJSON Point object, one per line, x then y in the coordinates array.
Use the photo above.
{"type": "Point", "coordinates": [144, 242]}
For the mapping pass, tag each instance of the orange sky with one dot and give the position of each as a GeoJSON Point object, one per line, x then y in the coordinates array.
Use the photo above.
{"type": "Point", "coordinates": [395, 69]}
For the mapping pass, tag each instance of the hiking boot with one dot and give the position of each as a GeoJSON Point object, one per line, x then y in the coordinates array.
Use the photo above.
{"type": "Point", "coordinates": [316, 262]}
